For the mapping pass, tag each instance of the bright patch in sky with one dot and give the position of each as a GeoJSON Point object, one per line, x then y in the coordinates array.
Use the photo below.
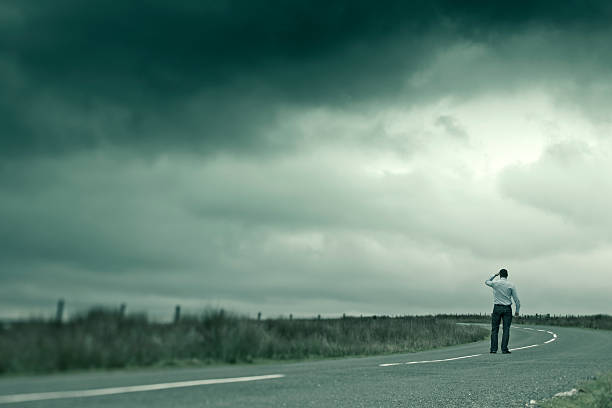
{"type": "Point", "coordinates": [304, 159]}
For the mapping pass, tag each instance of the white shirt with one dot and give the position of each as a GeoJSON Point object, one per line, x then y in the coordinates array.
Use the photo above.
{"type": "Point", "coordinates": [503, 291]}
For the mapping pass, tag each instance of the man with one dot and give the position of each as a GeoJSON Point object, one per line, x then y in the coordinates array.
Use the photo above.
{"type": "Point", "coordinates": [503, 292]}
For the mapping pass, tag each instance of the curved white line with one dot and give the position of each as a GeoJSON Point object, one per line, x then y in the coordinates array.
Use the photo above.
{"type": "Point", "coordinates": [524, 347]}
{"type": "Point", "coordinates": [7, 399]}
{"type": "Point", "coordinates": [444, 359]}
{"type": "Point", "coordinates": [476, 355]}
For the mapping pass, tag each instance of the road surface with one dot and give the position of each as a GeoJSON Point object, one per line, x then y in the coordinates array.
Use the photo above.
{"type": "Point", "coordinates": [458, 376]}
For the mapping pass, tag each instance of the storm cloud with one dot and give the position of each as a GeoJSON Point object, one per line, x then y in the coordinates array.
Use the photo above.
{"type": "Point", "coordinates": [304, 157]}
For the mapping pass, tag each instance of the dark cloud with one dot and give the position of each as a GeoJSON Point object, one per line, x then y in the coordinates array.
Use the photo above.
{"type": "Point", "coordinates": [210, 77]}
{"type": "Point", "coordinates": [451, 126]}
{"type": "Point", "coordinates": [352, 143]}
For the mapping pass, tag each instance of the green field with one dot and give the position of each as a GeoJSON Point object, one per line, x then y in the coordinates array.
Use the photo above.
{"type": "Point", "coordinates": [598, 321]}
{"type": "Point", "coordinates": [102, 338]}
{"type": "Point", "coordinates": [105, 338]}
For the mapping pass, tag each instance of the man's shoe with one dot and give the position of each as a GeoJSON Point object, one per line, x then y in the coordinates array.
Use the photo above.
{"type": "Point", "coordinates": [506, 352]}
{"type": "Point", "coordinates": [493, 352]}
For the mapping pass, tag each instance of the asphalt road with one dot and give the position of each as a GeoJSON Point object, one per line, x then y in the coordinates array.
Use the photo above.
{"type": "Point", "coordinates": [484, 380]}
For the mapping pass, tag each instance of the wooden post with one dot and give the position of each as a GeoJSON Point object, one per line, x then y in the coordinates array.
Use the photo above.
{"type": "Point", "coordinates": [318, 317]}
{"type": "Point", "coordinates": [59, 313]}
{"type": "Point", "coordinates": [290, 316]}
{"type": "Point", "coordinates": [344, 315]}
{"type": "Point", "coordinates": [177, 313]}
{"type": "Point", "coordinates": [258, 316]}
{"type": "Point", "coordinates": [122, 308]}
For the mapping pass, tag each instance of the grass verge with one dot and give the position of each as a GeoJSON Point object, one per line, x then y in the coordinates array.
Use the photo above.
{"type": "Point", "coordinates": [595, 393]}
{"type": "Point", "coordinates": [102, 338]}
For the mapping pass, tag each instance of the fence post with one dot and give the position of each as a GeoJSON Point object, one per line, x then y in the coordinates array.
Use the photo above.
{"type": "Point", "coordinates": [177, 313]}
{"type": "Point", "coordinates": [59, 313]}
{"type": "Point", "coordinates": [122, 308]}
{"type": "Point", "coordinates": [318, 317]}
{"type": "Point", "coordinates": [290, 316]}
{"type": "Point", "coordinates": [258, 316]}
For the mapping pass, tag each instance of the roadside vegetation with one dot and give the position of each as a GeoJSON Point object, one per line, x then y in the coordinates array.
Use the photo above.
{"type": "Point", "coordinates": [102, 338]}
{"type": "Point", "coordinates": [107, 338]}
{"type": "Point", "coordinates": [595, 393]}
{"type": "Point", "coordinates": [598, 321]}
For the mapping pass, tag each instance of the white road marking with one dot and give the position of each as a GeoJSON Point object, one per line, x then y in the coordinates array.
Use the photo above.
{"type": "Point", "coordinates": [430, 361]}
{"type": "Point", "coordinates": [7, 399]}
{"type": "Point", "coordinates": [524, 347]}
{"type": "Point", "coordinates": [444, 359]}
{"type": "Point", "coordinates": [476, 355]}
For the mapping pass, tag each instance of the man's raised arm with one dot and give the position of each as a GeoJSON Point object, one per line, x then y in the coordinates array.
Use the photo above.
{"type": "Point", "coordinates": [489, 282]}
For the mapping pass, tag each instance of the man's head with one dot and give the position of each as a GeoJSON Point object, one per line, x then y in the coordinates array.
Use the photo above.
{"type": "Point", "coordinates": [503, 273]}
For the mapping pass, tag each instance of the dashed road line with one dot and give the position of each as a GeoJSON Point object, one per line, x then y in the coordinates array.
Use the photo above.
{"type": "Point", "coordinates": [524, 347]}
{"type": "Point", "coordinates": [430, 361]}
{"type": "Point", "coordinates": [7, 399]}
{"type": "Point", "coordinates": [476, 355]}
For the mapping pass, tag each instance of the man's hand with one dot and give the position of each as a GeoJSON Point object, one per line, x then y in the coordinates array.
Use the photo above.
{"type": "Point", "coordinates": [516, 314]}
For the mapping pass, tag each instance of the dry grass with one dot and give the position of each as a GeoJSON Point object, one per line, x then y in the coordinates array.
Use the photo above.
{"type": "Point", "coordinates": [598, 321]}
{"type": "Point", "coordinates": [596, 393]}
{"type": "Point", "coordinates": [104, 338]}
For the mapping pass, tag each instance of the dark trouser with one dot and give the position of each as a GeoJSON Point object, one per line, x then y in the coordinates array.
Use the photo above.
{"type": "Point", "coordinates": [500, 312]}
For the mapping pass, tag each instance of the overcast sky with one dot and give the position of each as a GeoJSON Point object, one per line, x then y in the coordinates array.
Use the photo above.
{"type": "Point", "coordinates": [305, 157]}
